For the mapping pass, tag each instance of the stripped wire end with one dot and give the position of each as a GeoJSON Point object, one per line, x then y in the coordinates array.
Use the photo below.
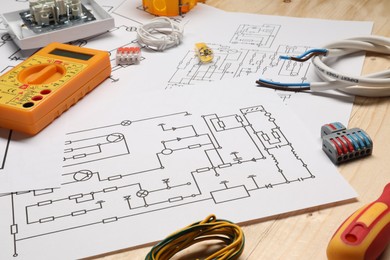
{"type": "Point", "coordinates": [284, 86]}
{"type": "Point", "coordinates": [306, 55]}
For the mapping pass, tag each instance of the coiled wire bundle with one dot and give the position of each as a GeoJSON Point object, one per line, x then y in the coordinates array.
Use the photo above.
{"type": "Point", "coordinates": [210, 228]}
{"type": "Point", "coordinates": [371, 85]}
{"type": "Point", "coordinates": [160, 33]}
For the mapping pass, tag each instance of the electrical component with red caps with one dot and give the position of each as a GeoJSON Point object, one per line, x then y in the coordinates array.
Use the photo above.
{"type": "Point", "coordinates": [128, 55]}
{"type": "Point", "coordinates": [341, 144]}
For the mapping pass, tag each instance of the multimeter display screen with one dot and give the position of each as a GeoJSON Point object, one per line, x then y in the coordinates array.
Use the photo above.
{"type": "Point", "coordinates": [71, 54]}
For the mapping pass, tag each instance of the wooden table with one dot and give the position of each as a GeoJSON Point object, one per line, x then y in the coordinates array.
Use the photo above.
{"type": "Point", "coordinates": [305, 234]}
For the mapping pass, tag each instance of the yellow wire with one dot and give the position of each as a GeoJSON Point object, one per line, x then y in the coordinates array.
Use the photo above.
{"type": "Point", "coordinates": [209, 229]}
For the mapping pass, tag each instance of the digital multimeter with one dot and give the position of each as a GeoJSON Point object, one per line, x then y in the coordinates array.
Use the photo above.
{"type": "Point", "coordinates": [46, 84]}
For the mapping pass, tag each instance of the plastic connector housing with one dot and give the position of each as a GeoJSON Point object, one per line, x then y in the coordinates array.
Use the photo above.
{"type": "Point", "coordinates": [128, 55]}
{"type": "Point", "coordinates": [30, 31]}
{"type": "Point", "coordinates": [204, 53]}
{"type": "Point", "coordinates": [169, 7]}
{"type": "Point", "coordinates": [341, 144]}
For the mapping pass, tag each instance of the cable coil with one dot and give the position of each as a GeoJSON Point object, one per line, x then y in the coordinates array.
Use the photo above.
{"type": "Point", "coordinates": [208, 229]}
{"type": "Point", "coordinates": [160, 33]}
{"type": "Point", "coordinates": [370, 85]}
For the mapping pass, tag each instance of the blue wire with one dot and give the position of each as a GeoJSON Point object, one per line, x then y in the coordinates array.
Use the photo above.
{"type": "Point", "coordinates": [303, 84]}
{"type": "Point", "coordinates": [285, 57]}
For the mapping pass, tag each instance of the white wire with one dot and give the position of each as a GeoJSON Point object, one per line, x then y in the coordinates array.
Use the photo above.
{"type": "Point", "coordinates": [372, 85]}
{"type": "Point", "coordinates": [160, 33]}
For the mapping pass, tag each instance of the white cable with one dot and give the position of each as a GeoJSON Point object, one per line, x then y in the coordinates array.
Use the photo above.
{"type": "Point", "coordinates": [160, 33]}
{"type": "Point", "coordinates": [371, 85]}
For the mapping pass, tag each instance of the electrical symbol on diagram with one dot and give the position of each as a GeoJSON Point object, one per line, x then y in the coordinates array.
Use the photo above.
{"type": "Point", "coordinates": [232, 157]}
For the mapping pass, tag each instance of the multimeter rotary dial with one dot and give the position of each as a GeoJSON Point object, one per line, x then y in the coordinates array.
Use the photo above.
{"type": "Point", "coordinates": [41, 73]}
{"type": "Point", "coordinates": [37, 78]}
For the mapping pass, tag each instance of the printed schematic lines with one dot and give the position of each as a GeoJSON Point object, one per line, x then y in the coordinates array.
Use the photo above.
{"type": "Point", "coordinates": [229, 63]}
{"type": "Point", "coordinates": [257, 35]}
{"type": "Point", "coordinates": [178, 160]}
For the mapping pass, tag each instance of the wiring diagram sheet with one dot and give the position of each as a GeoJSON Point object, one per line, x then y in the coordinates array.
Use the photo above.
{"type": "Point", "coordinates": [133, 176]}
{"type": "Point", "coordinates": [247, 49]}
{"type": "Point", "coordinates": [168, 141]}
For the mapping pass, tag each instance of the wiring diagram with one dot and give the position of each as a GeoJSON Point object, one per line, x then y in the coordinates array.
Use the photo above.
{"type": "Point", "coordinates": [261, 36]}
{"type": "Point", "coordinates": [127, 171]}
{"type": "Point", "coordinates": [230, 62]}
{"type": "Point", "coordinates": [154, 177]}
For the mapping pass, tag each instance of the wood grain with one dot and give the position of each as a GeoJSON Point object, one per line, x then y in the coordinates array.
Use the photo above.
{"type": "Point", "coordinates": [305, 234]}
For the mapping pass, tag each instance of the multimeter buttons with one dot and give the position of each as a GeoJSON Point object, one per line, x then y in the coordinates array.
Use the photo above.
{"type": "Point", "coordinates": [41, 74]}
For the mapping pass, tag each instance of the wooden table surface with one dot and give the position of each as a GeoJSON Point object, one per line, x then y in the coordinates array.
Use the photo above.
{"type": "Point", "coordinates": [305, 234]}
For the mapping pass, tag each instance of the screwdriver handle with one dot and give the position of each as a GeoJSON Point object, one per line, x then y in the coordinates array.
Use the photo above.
{"type": "Point", "coordinates": [365, 234]}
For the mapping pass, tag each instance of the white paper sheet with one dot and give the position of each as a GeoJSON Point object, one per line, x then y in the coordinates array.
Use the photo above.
{"type": "Point", "coordinates": [139, 167]}
{"type": "Point", "coordinates": [245, 45]}
{"type": "Point", "coordinates": [30, 162]}
{"type": "Point", "coordinates": [139, 158]}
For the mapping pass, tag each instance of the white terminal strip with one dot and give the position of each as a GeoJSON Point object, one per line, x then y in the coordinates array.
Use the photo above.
{"type": "Point", "coordinates": [128, 55]}
{"type": "Point", "coordinates": [62, 20]}
{"type": "Point", "coordinates": [44, 12]}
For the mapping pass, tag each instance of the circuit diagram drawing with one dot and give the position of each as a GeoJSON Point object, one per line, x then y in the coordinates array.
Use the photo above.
{"type": "Point", "coordinates": [261, 36]}
{"type": "Point", "coordinates": [179, 159]}
{"type": "Point", "coordinates": [132, 162]}
{"type": "Point", "coordinates": [231, 63]}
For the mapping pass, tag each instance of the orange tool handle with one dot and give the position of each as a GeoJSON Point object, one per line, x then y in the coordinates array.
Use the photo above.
{"type": "Point", "coordinates": [365, 234]}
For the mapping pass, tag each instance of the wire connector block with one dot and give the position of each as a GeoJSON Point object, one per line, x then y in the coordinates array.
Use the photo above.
{"type": "Point", "coordinates": [341, 144]}
{"type": "Point", "coordinates": [128, 55]}
{"type": "Point", "coordinates": [204, 53]}
{"type": "Point", "coordinates": [47, 15]}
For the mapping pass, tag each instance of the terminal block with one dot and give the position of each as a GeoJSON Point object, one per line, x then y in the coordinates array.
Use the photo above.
{"type": "Point", "coordinates": [342, 144]}
{"type": "Point", "coordinates": [128, 55]}
{"type": "Point", "coordinates": [45, 15]}
{"type": "Point", "coordinates": [204, 53]}
{"type": "Point", "coordinates": [45, 21]}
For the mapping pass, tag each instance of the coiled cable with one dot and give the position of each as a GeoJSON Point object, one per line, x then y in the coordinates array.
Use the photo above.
{"type": "Point", "coordinates": [370, 85]}
{"type": "Point", "coordinates": [210, 228]}
{"type": "Point", "coordinates": [160, 33]}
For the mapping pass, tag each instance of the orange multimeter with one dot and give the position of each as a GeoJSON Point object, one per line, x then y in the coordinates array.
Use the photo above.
{"type": "Point", "coordinates": [46, 84]}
